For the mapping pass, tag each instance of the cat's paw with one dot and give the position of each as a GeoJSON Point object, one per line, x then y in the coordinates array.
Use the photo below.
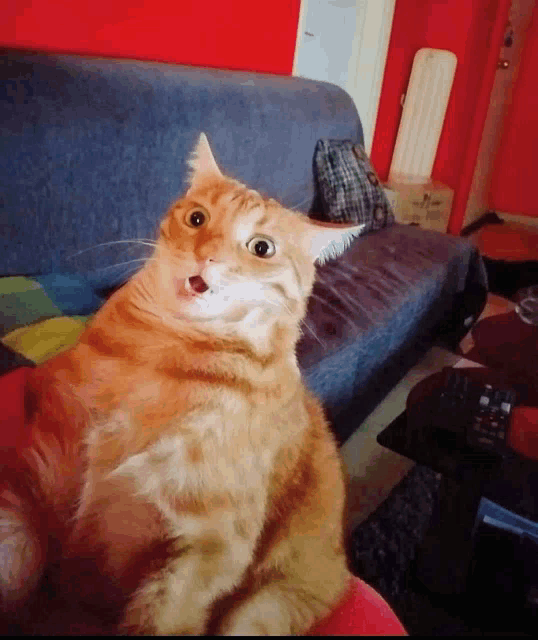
{"type": "Point", "coordinates": [133, 626]}
{"type": "Point", "coordinates": [247, 628]}
{"type": "Point", "coordinates": [252, 620]}
{"type": "Point", "coordinates": [143, 617]}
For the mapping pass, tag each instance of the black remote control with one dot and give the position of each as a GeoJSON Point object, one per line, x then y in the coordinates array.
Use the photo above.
{"type": "Point", "coordinates": [476, 413]}
{"type": "Point", "coordinates": [491, 420]}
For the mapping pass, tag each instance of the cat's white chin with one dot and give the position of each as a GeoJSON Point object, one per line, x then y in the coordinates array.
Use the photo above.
{"type": "Point", "coordinates": [219, 306]}
{"type": "Point", "coordinates": [200, 306]}
{"type": "Point", "coordinates": [200, 299]}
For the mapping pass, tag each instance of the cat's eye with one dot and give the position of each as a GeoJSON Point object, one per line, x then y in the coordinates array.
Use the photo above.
{"type": "Point", "coordinates": [261, 247]}
{"type": "Point", "coordinates": [196, 218]}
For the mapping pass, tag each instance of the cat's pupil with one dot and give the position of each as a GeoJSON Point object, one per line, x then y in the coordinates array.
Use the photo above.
{"type": "Point", "coordinates": [197, 218]}
{"type": "Point", "coordinates": [261, 248]}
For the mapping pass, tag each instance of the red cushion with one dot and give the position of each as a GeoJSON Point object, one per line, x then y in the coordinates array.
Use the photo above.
{"type": "Point", "coordinates": [523, 433]}
{"type": "Point", "coordinates": [362, 611]}
{"type": "Point", "coordinates": [13, 431]}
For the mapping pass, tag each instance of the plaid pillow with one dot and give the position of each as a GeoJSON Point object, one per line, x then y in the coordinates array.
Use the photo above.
{"type": "Point", "coordinates": [349, 188]}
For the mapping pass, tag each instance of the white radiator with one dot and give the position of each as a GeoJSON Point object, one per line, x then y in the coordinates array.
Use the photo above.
{"type": "Point", "coordinates": [423, 115]}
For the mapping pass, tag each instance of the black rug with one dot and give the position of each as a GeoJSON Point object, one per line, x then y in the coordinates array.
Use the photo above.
{"type": "Point", "coordinates": [384, 545]}
{"type": "Point", "coordinates": [383, 550]}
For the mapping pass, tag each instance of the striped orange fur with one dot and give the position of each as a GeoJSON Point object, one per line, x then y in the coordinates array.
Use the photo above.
{"type": "Point", "coordinates": [175, 448]}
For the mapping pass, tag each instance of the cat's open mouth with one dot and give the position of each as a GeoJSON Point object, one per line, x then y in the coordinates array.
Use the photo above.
{"type": "Point", "coordinates": [190, 287]}
{"type": "Point", "coordinates": [197, 284]}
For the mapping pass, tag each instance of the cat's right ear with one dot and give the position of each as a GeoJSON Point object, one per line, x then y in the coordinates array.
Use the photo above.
{"type": "Point", "coordinates": [202, 163]}
{"type": "Point", "coordinates": [327, 240]}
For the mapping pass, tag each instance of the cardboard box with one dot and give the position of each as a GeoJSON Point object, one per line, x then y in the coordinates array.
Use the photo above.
{"type": "Point", "coordinates": [427, 204]}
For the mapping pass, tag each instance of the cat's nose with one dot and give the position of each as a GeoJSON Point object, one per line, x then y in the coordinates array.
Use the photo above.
{"type": "Point", "coordinates": [198, 284]}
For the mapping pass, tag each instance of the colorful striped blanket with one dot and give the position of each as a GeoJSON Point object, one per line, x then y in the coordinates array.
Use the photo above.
{"type": "Point", "coordinates": [42, 316]}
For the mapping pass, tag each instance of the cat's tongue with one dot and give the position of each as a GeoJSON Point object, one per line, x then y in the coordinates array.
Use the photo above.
{"type": "Point", "coordinates": [198, 284]}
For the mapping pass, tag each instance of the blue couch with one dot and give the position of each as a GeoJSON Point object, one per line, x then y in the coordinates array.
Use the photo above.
{"type": "Point", "coordinates": [93, 151]}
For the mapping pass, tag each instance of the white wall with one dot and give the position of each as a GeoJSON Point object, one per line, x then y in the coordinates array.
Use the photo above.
{"type": "Point", "coordinates": [345, 42]}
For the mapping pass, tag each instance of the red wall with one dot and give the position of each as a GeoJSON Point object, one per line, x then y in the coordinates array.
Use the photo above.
{"type": "Point", "coordinates": [471, 29]}
{"type": "Point", "coordinates": [238, 34]}
{"type": "Point", "coordinates": [514, 175]}
{"type": "Point", "coordinates": [260, 36]}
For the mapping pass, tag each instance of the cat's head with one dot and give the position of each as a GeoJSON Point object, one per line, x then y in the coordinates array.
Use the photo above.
{"type": "Point", "coordinates": [226, 254]}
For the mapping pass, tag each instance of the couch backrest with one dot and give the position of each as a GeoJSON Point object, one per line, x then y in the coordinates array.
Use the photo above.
{"type": "Point", "coordinates": [93, 150]}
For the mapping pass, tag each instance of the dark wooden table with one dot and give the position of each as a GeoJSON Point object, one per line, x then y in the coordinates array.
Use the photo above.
{"type": "Point", "coordinates": [444, 558]}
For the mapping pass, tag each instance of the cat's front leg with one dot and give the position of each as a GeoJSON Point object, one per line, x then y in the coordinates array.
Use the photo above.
{"type": "Point", "coordinates": [288, 606]}
{"type": "Point", "coordinates": [176, 600]}
{"type": "Point", "coordinates": [302, 569]}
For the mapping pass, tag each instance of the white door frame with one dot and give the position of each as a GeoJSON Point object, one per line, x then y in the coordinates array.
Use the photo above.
{"type": "Point", "coordinates": [367, 64]}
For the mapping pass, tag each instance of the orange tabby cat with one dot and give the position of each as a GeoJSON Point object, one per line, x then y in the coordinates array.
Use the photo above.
{"type": "Point", "coordinates": [176, 446]}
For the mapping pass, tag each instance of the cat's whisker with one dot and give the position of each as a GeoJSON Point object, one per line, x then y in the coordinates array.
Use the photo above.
{"type": "Point", "coordinates": [287, 308]}
{"type": "Point", "coordinates": [341, 272]}
{"type": "Point", "coordinates": [306, 324]}
{"type": "Point", "coordinates": [147, 295]}
{"type": "Point", "coordinates": [235, 278]}
{"type": "Point", "coordinates": [334, 309]}
{"type": "Point", "coordinates": [147, 309]}
{"type": "Point", "coordinates": [120, 264]}
{"type": "Point", "coordinates": [352, 300]}
{"type": "Point", "coordinates": [364, 269]}
{"type": "Point", "coordinates": [338, 294]}
{"type": "Point", "coordinates": [144, 241]}
{"type": "Point", "coordinates": [279, 305]}
{"type": "Point", "coordinates": [300, 204]}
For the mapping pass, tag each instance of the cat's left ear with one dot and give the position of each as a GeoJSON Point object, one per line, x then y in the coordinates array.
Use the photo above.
{"type": "Point", "coordinates": [328, 240]}
{"type": "Point", "coordinates": [202, 162]}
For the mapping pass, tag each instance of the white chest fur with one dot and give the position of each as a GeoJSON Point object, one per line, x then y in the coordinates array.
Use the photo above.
{"type": "Point", "coordinates": [221, 455]}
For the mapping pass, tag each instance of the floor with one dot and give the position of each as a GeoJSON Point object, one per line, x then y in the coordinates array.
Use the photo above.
{"type": "Point", "coordinates": [374, 471]}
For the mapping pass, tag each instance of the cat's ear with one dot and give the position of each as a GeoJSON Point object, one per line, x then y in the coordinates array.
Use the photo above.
{"type": "Point", "coordinates": [328, 240]}
{"type": "Point", "coordinates": [202, 162]}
